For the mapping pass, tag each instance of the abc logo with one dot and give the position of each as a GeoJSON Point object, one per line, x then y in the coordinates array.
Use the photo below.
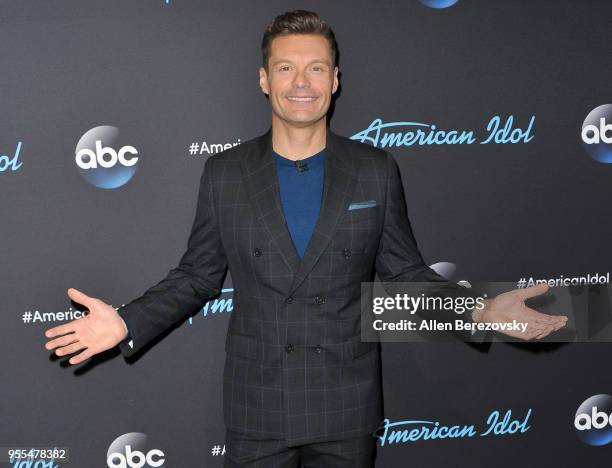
{"type": "Point", "coordinates": [97, 157]}
{"type": "Point", "coordinates": [100, 163]}
{"type": "Point", "coordinates": [597, 133]}
{"type": "Point", "coordinates": [136, 459]}
{"type": "Point", "coordinates": [130, 451]}
{"type": "Point", "coordinates": [438, 3]}
{"type": "Point", "coordinates": [593, 420]}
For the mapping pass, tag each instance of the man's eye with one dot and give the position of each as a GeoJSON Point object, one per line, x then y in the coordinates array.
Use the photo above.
{"type": "Point", "coordinates": [317, 68]}
{"type": "Point", "coordinates": [284, 68]}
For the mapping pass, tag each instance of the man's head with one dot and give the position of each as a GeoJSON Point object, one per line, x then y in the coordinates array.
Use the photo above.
{"type": "Point", "coordinates": [299, 70]}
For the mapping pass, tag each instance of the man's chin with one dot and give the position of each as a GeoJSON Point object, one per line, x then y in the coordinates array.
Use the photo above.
{"type": "Point", "coordinates": [302, 119]}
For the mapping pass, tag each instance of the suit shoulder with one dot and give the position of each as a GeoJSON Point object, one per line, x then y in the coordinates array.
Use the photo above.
{"type": "Point", "coordinates": [370, 157]}
{"type": "Point", "coordinates": [233, 154]}
{"type": "Point", "coordinates": [362, 149]}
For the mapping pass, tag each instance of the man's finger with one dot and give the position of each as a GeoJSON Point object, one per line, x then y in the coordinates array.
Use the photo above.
{"type": "Point", "coordinates": [80, 297]}
{"type": "Point", "coordinates": [531, 291]}
{"type": "Point", "coordinates": [534, 315]}
{"type": "Point", "coordinates": [546, 331]}
{"type": "Point", "coordinates": [80, 357]}
{"type": "Point", "coordinates": [554, 321]}
{"type": "Point", "coordinates": [69, 349]}
{"type": "Point", "coordinates": [61, 341]}
{"type": "Point", "coordinates": [540, 318]}
{"type": "Point", "coordinates": [61, 330]}
{"type": "Point", "coordinates": [535, 331]}
{"type": "Point", "coordinates": [531, 331]}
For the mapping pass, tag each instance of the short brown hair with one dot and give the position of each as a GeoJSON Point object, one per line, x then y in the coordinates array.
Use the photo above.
{"type": "Point", "coordinates": [298, 22]}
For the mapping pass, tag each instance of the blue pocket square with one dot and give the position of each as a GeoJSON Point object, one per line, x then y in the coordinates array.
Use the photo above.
{"type": "Point", "coordinates": [363, 204]}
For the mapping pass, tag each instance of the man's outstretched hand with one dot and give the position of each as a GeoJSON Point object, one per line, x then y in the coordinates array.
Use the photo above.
{"type": "Point", "coordinates": [101, 329]}
{"type": "Point", "coordinates": [510, 306]}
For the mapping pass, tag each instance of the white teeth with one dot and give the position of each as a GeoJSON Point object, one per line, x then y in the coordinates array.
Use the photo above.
{"type": "Point", "coordinates": [301, 99]}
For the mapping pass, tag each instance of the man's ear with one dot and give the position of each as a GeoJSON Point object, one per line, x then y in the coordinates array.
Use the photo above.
{"type": "Point", "coordinates": [335, 85]}
{"type": "Point", "coordinates": [263, 80]}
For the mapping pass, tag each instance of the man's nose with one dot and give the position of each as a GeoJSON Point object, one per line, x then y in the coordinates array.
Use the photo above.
{"type": "Point", "coordinates": [300, 80]}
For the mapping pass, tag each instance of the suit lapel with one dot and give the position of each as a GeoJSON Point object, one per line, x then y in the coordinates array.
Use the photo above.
{"type": "Point", "coordinates": [261, 184]}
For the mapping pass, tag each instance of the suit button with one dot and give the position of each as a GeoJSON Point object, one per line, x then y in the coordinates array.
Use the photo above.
{"type": "Point", "coordinates": [256, 252]}
{"type": "Point", "coordinates": [289, 348]}
{"type": "Point", "coordinates": [289, 300]}
{"type": "Point", "coordinates": [346, 253]}
{"type": "Point", "coordinates": [318, 349]}
{"type": "Point", "coordinates": [319, 300]}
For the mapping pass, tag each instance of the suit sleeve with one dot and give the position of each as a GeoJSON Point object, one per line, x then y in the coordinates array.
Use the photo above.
{"type": "Point", "coordinates": [398, 258]}
{"type": "Point", "coordinates": [186, 288]}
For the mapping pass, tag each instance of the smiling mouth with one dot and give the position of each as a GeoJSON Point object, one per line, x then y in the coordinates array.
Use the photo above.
{"type": "Point", "coordinates": [301, 98]}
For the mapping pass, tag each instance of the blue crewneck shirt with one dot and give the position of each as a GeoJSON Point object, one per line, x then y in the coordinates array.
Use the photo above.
{"type": "Point", "coordinates": [301, 194]}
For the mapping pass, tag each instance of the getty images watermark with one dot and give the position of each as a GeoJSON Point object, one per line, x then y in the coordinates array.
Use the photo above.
{"type": "Point", "coordinates": [446, 311]}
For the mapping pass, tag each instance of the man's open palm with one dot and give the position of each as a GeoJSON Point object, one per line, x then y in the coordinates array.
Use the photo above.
{"type": "Point", "coordinates": [510, 306]}
{"type": "Point", "coordinates": [98, 331]}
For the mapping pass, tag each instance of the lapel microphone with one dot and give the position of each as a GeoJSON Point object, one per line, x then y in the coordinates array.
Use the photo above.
{"type": "Point", "coordinates": [300, 166]}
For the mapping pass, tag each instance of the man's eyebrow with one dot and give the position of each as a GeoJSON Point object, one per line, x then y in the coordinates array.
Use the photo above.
{"type": "Point", "coordinates": [319, 60]}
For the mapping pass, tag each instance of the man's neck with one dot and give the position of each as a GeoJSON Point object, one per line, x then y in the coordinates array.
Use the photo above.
{"type": "Point", "coordinates": [298, 142]}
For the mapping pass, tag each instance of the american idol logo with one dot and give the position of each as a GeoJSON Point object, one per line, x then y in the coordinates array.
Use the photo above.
{"type": "Point", "coordinates": [12, 162]}
{"type": "Point", "coordinates": [593, 420]}
{"type": "Point", "coordinates": [132, 450]}
{"type": "Point", "coordinates": [218, 305]}
{"type": "Point", "coordinates": [597, 133]}
{"type": "Point", "coordinates": [438, 3]}
{"type": "Point", "coordinates": [398, 134]}
{"type": "Point", "coordinates": [101, 161]}
{"type": "Point", "coordinates": [413, 430]}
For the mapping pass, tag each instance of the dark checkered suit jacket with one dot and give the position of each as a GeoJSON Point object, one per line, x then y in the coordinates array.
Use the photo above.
{"type": "Point", "coordinates": [295, 365]}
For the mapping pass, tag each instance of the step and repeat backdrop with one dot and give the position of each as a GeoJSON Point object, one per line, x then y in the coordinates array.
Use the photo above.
{"type": "Point", "coordinates": [499, 114]}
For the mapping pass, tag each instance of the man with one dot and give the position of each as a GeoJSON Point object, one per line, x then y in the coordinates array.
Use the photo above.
{"type": "Point", "coordinates": [301, 216]}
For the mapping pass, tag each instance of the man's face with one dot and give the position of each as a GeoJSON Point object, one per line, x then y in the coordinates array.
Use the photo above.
{"type": "Point", "coordinates": [301, 78]}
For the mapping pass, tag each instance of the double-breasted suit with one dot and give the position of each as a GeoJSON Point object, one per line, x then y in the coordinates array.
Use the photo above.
{"type": "Point", "coordinates": [295, 366]}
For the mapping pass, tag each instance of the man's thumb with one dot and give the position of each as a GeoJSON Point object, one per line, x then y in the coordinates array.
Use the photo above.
{"type": "Point", "coordinates": [532, 291]}
{"type": "Point", "coordinates": [80, 297]}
